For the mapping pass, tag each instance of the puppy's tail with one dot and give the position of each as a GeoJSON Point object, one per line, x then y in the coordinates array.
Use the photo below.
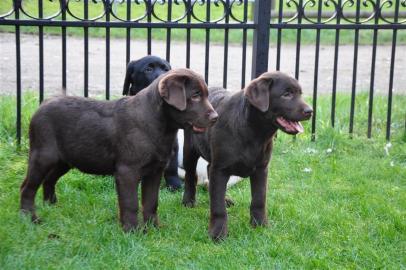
{"type": "Point", "coordinates": [127, 82]}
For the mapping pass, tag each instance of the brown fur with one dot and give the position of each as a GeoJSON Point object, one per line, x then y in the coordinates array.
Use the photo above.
{"type": "Point", "coordinates": [240, 143]}
{"type": "Point", "coordinates": [130, 138]}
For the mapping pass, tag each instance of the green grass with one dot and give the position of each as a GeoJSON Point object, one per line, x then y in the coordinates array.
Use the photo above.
{"type": "Point", "coordinates": [198, 35]}
{"type": "Point", "coordinates": [347, 211]}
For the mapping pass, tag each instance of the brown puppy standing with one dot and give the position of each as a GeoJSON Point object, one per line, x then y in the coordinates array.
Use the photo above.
{"type": "Point", "coordinates": [130, 138]}
{"type": "Point", "coordinates": [240, 143]}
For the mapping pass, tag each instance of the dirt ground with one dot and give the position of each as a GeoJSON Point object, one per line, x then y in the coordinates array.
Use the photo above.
{"type": "Point", "coordinates": [97, 64]}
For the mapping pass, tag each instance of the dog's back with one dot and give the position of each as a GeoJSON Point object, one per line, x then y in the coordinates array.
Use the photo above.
{"type": "Point", "coordinates": [77, 130]}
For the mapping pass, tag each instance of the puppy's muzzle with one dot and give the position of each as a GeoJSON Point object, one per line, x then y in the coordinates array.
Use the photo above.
{"type": "Point", "coordinates": [307, 112]}
{"type": "Point", "coordinates": [212, 116]}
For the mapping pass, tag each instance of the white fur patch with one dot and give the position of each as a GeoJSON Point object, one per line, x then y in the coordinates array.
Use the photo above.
{"type": "Point", "coordinates": [201, 168]}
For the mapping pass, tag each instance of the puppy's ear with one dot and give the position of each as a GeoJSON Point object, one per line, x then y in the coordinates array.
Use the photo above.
{"type": "Point", "coordinates": [172, 90]}
{"type": "Point", "coordinates": [166, 63]}
{"type": "Point", "coordinates": [257, 93]}
{"type": "Point", "coordinates": [127, 80]}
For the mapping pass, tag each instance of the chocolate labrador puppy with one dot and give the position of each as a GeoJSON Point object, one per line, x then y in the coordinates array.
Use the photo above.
{"type": "Point", "coordinates": [130, 138]}
{"type": "Point", "coordinates": [141, 73]}
{"type": "Point", "coordinates": [240, 143]}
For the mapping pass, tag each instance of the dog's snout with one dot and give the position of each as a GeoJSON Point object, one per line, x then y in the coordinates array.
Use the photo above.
{"type": "Point", "coordinates": [213, 116]}
{"type": "Point", "coordinates": [307, 111]}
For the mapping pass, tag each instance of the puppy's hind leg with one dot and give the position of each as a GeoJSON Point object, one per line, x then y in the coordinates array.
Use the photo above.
{"type": "Point", "coordinates": [50, 181]}
{"type": "Point", "coordinates": [190, 158]}
{"type": "Point", "coordinates": [38, 167]}
{"type": "Point", "coordinates": [173, 182]}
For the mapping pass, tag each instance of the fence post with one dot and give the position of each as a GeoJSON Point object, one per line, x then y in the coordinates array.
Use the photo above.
{"type": "Point", "coordinates": [260, 46]}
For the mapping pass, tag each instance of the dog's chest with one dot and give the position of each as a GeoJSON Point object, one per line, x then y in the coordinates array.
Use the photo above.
{"type": "Point", "coordinates": [142, 146]}
{"type": "Point", "coordinates": [250, 158]}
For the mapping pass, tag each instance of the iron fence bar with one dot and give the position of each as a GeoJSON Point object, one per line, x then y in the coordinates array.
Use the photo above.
{"type": "Point", "coordinates": [335, 69]}
{"type": "Point", "coordinates": [372, 81]}
{"type": "Point", "coordinates": [120, 24]}
{"type": "Point", "coordinates": [149, 33]}
{"type": "Point", "coordinates": [298, 41]}
{"type": "Point", "coordinates": [244, 45]}
{"type": "Point", "coordinates": [328, 14]}
{"type": "Point", "coordinates": [260, 45]}
{"type": "Point", "coordinates": [340, 26]}
{"type": "Point", "coordinates": [391, 73]}
{"type": "Point", "coordinates": [107, 3]}
{"type": "Point", "coordinates": [86, 50]}
{"type": "Point", "coordinates": [354, 71]}
{"type": "Point", "coordinates": [128, 35]}
{"type": "Point", "coordinates": [279, 37]}
{"type": "Point", "coordinates": [17, 4]}
{"type": "Point", "coordinates": [207, 45]}
{"type": "Point", "coordinates": [41, 53]}
{"type": "Point", "coordinates": [63, 8]}
{"type": "Point", "coordinates": [168, 33]}
{"type": "Point", "coordinates": [316, 72]}
{"type": "Point", "coordinates": [225, 48]}
{"type": "Point", "coordinates": [177, 25]}
{"type": "Point", "coordinates": [188, 34]}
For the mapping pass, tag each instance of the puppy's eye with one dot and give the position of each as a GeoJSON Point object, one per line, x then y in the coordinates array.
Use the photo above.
{"type": "Point", "coordinates": [148, 69]}
{"type": "Point", "coordinates": [287, 95]}
{"type": "Point", "coordinates": [196, 97]}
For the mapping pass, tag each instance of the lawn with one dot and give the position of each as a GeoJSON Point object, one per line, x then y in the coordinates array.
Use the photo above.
{"type": "Point", "coordinates": [198, 35]}
{"type": "Point", "coordinates": [333, 203]}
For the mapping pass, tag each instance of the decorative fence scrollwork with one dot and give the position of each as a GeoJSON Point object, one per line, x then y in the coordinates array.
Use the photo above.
{"type": "Point", "coordinates": [147, 8]}
{"type": "Point", "coordinates": [376, 10]}
{"type": "Point", "coordinates": [305, 9]}
{"type": "Point", "coordinates": [167, 2]}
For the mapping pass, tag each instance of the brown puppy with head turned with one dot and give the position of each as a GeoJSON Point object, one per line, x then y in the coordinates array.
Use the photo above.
{"type": "Point", "coordinates": [240, 143]}
{"type": "Point", "coordinates": [130, 138]}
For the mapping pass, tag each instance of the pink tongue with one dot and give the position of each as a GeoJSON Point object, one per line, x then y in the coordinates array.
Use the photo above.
{"type": "Point", "coordinates": [290, 126]}
{"type": "Point", "coordinates": [198, 129]}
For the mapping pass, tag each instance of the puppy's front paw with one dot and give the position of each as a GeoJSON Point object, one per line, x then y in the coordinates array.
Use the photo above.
{"type": "Point", "coordinates": [51, 199]}
{"type": "Point", "coordinates": [129, 227]}
{"type": "Point", "coordinates": [151, 220]}
{"type": "Point", "coordinates": [218, 230]}
{"type": "Point", "coordinates": [258, 221]}
{"type": "Point", "coordinates": [189, 203]}
{"type": "Point", "coordinates": [34, 218]}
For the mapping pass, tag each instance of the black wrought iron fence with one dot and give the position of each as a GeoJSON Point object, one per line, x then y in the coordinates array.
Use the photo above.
{"type": "Point", "coordinates": [335, 15]}
{"type": "Point", "coordinates": [338, 20]}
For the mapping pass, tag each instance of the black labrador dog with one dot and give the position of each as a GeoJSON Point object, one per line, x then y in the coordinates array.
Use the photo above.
{"type": "Point", "coordinates": [240, 143]}
{"type": "Point", "coordinates": [140, 74]}
{"type": "Point", "coordinates": [130, 138]}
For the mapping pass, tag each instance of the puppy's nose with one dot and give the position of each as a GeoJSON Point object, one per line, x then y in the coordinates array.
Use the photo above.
{"type": "Point", "coordinates": [308, 111]}
{"type": "Point", "coordinates": [213, 116]}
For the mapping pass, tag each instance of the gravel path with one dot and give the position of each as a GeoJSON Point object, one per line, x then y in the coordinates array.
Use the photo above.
{"type": "Point", "coordinates": [53, 56]}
